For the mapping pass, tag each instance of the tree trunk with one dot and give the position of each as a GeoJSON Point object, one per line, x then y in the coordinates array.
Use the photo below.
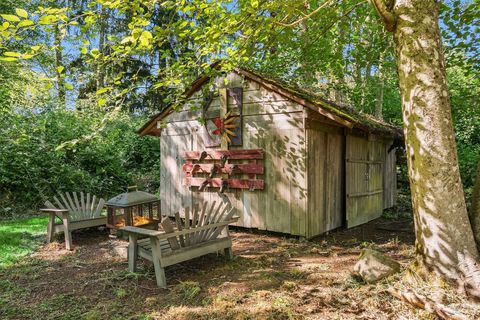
{"type": "Point", "coordinates": [444, 237]}
{"type": "Point", "coordinates": [364, 85]}
{"type": "Point", "coordinates": [475, 209]}
{"type": "Point", "coordinates": [101, 70]}
{"type": "Point", "coordinates": [381, 87]}
{"type": "Point", "coordinates": [59, 67]}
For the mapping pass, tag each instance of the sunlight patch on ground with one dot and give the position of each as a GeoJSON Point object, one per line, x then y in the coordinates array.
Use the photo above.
{"type": "Point", "coordinates": [19, 238]}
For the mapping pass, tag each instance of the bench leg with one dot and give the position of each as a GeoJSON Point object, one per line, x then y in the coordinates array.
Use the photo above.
{"type": "Point", "coordinates": [132, 253]}
{"type": "Point", "coordinates": [66, 230]}
{"type": "Point", "coordinates": [159, 271]}
{"type": "Point", "coordinates": [228, 253]}
{"type": "Point", "coordinates": [50, 227]}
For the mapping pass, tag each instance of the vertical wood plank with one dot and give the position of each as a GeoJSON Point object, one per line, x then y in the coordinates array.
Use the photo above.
{"type": "Point", "coordinates": [132, 252]}
{"type": "Point", "coordinates": [364, 179]}
{"type": "Point", "coordinates": [88, 204]}
{"type": "Point", "coordinates": [178, 222]}
{"type": "Point", "coordinates": [168, 228]}
{"type": "Point", "coordinates": [187, 225]}
{"type": "Point", "coordinates": [78, 208]}
{"type": "Point", "coordinates": [156, 255]}
{"type": "Point", "coordinates": [316, 187]}
{"type": "Point", "coordinates": [223, 111]}
{"type": "Point", "coordinates": [82, 202]}
{"type": "Point", "coordinates": [50, 227]}
{"type": "Point", "coordinates": [66, 230]}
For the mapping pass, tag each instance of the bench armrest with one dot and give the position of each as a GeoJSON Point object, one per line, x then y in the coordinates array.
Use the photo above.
{"type": "Point", "coordinates": [163, 235]}
{"type": "Point", "coordinates": [48, 210]}
{"type": "Point", "coordinates": [142, 231]}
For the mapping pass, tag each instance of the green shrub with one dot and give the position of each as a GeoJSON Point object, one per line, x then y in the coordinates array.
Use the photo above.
{"type": "Point", "coordinates": [46, 151]}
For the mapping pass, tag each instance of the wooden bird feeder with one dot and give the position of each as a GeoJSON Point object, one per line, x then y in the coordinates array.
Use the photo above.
{"type": "Point", "coordinates": [133, 208]}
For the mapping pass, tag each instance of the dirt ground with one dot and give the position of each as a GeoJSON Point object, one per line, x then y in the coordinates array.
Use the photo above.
{"type": "Point", "coordinates": [271, 277]}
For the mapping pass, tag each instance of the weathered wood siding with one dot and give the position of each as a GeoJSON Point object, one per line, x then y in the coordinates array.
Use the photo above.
{"type": "Point", "coordinates": [390, 178]}
{"type": "Point", "coordinates": [173, 142]}
{"type": "Point", "coordinates": [315, 176]}
{"type": "Point", "coordinates": [365, 161]}
{"type": "Point", "coordinates": [325, 178]}
{"type": "Point", "coordinates": [270, 122]}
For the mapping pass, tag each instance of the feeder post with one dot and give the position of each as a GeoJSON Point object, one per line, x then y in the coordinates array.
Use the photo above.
{"type": "Point", "coordinates": [150, 211]}
{"type": "Point", "coordinates": [159, 210]}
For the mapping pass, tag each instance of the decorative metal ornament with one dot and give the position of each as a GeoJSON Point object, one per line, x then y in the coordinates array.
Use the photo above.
{"type": "Point", "coordinates": [225, 128]}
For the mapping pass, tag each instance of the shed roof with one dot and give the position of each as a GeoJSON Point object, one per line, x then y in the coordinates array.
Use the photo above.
{"type": "Point", "coordinates": [343, 115]}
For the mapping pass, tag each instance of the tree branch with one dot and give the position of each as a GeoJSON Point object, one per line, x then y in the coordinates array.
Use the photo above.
{"type": "Point", "coordinates": [386, 15]}
{"type": "Point", "coordinates": [350, 10]}
{"type": "Point", "coordinates": [305, 17]}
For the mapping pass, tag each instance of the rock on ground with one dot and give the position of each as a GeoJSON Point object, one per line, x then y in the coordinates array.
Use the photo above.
{"type": "Point", "coordinates": [374, 266]}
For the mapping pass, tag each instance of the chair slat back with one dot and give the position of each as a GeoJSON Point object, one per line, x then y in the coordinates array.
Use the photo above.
{"type": "Point", "coordinates": [206, 220]}
{"type": "Point", "coordinates": [81, 207]}
{"type": "Point", "coordinates": [201, 216]}
{"type": "Point", "coordinates": [168, 228]}
{"type": "Point", "coordinates": [178, 222]}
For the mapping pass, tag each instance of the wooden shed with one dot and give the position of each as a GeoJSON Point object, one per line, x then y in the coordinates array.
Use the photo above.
{"type": "Point", "coordinates": [288, 160]}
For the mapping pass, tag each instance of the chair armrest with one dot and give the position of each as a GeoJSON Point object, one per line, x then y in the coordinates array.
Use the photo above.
{"type": "Point", "coordinates": [142, 231]}
{"type": "Point", "coordinates": [48, 210]}
{"type": "Point", "coordinates": [163, 235]}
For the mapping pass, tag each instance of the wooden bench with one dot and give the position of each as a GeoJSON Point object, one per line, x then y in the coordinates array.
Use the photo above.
{"type": "Point", "coordinates": [75, 211]}
{"type": "Point", "coordinates": [196, 233]}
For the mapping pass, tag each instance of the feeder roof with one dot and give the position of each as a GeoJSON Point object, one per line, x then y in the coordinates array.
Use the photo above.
{"type": "Point", "coordinates": [131, 198]}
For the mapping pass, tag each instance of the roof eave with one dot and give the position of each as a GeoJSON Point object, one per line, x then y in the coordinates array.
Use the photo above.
{"type": "Point", "coordinates": [150, 128]}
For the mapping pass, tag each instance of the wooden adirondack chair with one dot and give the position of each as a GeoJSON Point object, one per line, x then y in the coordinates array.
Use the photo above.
{"type": "Point", "coordinates": [76, 211]}
{"type": "Point", "coordinates": [195, 234]}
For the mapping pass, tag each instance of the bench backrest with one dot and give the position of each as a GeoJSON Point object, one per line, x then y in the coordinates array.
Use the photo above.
{"type": "Point", "coordinates": [81, 206]}
{"type": "Point", "coordinates": [198, 225]}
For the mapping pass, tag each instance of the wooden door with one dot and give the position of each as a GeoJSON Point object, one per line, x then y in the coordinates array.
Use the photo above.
{"type": "Point", "coordinates": [363, 179]}
{"type": "Point", "coordinates": [173, 143]}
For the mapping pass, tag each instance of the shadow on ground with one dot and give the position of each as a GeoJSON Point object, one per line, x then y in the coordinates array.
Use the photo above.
{"type": "Point", "coordinates": [271, 277]}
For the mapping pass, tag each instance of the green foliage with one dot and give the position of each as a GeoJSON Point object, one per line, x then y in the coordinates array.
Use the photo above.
{"type": "Point", "coordinates": [464, 86]}
{"type": "Point", "coordinates": [141, 55]}
{"type": "Point", "coordinates": [44, 152]}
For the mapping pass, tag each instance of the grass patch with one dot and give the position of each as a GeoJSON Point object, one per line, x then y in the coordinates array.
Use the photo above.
{"type": "Point", "coordinates": [297, 274]}
{"type": "Point", "coordinates": [188, 290]}
{"type": "Point", "coordinates": [18, 238]}
{"type": "Point", "coordinates": [10, 293]}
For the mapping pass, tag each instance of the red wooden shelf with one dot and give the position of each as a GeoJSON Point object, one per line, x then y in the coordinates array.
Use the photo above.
{"type": "Point", "coordinates": [246, 168]}
{"type": "Point", "coordinates": [218, 168]}
{"type": "Point", "coordinates": [232, 183]}
{"type": "Point", "coordinates": [231, 154]}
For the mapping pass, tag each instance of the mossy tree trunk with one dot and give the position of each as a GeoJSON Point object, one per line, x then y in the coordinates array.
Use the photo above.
{"type": "Point", "coordinates": [101, 70]}
{"type": "Point", "coordinates": [475, 209]}
{"type": "Point", "coordinates": [59, 67]}
{"type": "Point", "coordinates": [381, 87]}
{"type": "Point", "coordinates": [444, 237]}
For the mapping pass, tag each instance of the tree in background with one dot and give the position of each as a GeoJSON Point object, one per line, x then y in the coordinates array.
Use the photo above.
{"type": "Point", "coordinates": [50, 141]}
